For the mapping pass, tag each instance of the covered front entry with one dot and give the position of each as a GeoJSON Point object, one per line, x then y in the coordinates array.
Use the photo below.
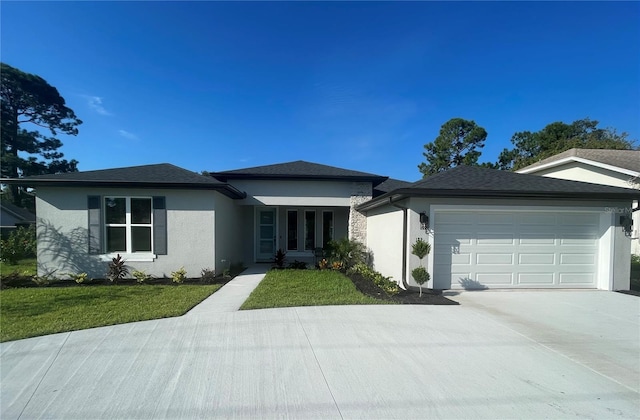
{"type": "Point", "coordinates": [298, 231]}
{"type": "Point", "coordinates": [516, 249]}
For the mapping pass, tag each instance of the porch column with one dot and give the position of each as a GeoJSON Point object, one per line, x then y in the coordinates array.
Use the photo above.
{"type": "Point", "coordinates": [360, 193]}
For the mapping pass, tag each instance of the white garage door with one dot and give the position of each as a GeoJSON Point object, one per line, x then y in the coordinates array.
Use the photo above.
{"type": "Point", "coordinates": [510, 249]}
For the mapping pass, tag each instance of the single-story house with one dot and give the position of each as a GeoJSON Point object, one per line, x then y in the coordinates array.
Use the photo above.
{"type": "Point", "coordinates": [487, 228]}
{"type": "Point", "coordinates": [618, 168]}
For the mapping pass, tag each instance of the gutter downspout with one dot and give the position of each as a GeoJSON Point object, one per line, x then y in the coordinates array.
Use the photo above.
{"type": "Point", "coordinates": [404, 241]}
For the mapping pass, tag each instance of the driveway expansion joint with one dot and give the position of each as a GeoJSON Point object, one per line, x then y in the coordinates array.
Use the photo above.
{"type": "Point", "coordinates": [44, 375]}
{"type": "Point", "coordinates": [324, 378]}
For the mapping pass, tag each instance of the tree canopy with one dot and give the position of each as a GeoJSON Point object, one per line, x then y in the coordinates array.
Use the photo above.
{"type": "Point", "coordinates": [556, 138]}
{"type": "Point", "coordinates": [29, 103]}
{"type": "Point", "coordinates": [457, 144]}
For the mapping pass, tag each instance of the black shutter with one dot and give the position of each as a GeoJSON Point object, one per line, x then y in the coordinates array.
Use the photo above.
{"type": "Point", "coordinates": [159, 226]}
{"type": "Point", "coordinates": [95, 224]}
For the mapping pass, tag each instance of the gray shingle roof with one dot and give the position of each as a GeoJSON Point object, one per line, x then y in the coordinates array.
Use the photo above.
{"type": "Point", "coordinates": [298, 170]}
{"type": "Point", "coordinates": [468, 181]}
{"type": "Point", "coordinates": [18, 212]}
{"type": "Point", "coordinates": [389, 185]}
{"type": "Point", "coordinates": [163, 175]}
{"type": "Point", "coordinates": [625, 159]}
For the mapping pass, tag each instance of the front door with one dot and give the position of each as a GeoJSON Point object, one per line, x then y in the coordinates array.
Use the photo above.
{"type": "Point", "coordinates": [265, 234]}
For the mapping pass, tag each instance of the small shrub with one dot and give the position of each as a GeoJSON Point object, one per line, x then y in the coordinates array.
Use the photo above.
{"type": "Point", "coordinates": [79, 278]}
{"type": "Point", "coordinates": [20, 244]}
{"type": "Point", "coordinates": [207, 275]}
{"type": "Point", "coordinates": [298, 265]}
{"type": "Point", "coordinates": [179, 276]}
{"type": "Point", "coordinates": [420, 248]}
{"type": "Point", "coordinates": [347, 252]}
{"type": "Point", "coordinates": [141, 277]}
{"type": "Point", "coordinates": [323, 264]}
{"type": "Point", "coordinates": [389, 286]}
{"type": "Point", "coordinates": [279, 258]}
{"type": "Point", "coordinates": [117, 269]}
{"type": "Point", "coordinates": [635, 259]}
{"type": "Point", "coordinates": [337, 265]}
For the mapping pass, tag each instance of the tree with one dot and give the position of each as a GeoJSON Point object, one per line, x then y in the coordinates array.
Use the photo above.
{"type": "Point", "coordinates": [29, 100]}
{"type": "Point", "coordinates": [456, 145]}
{"type": "Point", "coordinates": [556, 138]}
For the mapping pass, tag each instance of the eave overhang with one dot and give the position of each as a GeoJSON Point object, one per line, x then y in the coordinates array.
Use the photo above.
{"type": "Point", "coordinates": [226, 189]}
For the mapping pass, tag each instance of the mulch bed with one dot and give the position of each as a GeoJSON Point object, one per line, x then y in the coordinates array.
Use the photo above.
{"type": "Point", "coordinates": [410, 297]}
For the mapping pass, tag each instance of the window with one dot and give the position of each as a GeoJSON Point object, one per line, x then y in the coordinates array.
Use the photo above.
{"type": "Point", "coordinates": [309, 230]}
{"type": "Point", "coordinates": [128, 224]}
{"type": "Point", "coordinates": [327, 228]}
{"type": "Point", "coordinates": [292, 230]}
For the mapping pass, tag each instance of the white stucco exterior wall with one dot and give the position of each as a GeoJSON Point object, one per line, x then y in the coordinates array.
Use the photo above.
{"type": "Point", "coordinates": [384, 240]}
{"type": "Point", "coordinates": [228, 233]}
{"type": "Point", "coordinates": [63, 231]}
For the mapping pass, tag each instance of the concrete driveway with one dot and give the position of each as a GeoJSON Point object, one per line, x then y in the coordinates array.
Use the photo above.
{"type": "Point", "coordinates": [497, 355]}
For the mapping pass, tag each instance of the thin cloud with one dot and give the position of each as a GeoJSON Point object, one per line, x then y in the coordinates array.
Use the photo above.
{"type": "Point", "coordinates": [95, 103]}
{"type": "Point", "coordinates": [127, 135]}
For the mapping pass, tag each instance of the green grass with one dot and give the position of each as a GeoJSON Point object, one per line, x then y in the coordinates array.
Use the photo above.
{"type": "Point", "coordinates": [31, 312]}
{"type": "Point", "coordinates": [26, 267]}
{"type": "Point", "coordinates": [283, 288]}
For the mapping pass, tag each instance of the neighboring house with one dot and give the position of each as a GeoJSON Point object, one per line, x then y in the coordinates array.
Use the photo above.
{"type": "Point", "coordinates": [12, 216]}
{"type": "Point", "coordinates": [618, 168]}
{"type": "Point", "coordinates": [487, 228]}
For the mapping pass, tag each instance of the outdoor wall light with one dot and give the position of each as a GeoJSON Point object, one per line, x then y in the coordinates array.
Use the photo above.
{"type": "Point", "coordinates": [627, 224]}
{"type": "Point", "coordinates": [424, 221]}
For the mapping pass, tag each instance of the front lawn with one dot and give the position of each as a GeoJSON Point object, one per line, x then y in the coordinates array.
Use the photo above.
{"type": "Point", "coordinates": [283, 288]}
{"type": "Point", "coordinates": [26, 267]}
{"type": "Point", "coordinates": [31, 312]}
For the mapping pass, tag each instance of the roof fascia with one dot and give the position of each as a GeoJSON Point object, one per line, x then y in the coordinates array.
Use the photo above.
{"type": "Point", "coordinates": [570, 159]}
{"type": "Point", "coordinates": [375, 180]}
{"type": "Point", "coordinates": [402, 193]}
{"type": "Point", "coordinates": [226, 189]}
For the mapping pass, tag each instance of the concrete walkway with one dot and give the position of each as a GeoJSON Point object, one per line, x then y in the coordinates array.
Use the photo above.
{"type": "Point", "coordinates": [231, 296]}
{"type": "Point", "coordinates": [342, 362]}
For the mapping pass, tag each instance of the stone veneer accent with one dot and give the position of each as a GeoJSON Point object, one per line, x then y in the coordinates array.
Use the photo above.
{"type": "Point", "coordinates": [360, 193]}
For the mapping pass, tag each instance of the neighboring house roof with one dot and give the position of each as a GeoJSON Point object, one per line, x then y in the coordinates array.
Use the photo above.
{"type": "Point", "coordinates": [299, 170]}
{"type": "Point", "coordinates": [468, 181]}
{"type": "Point", "coordinates": [162, 175]}
{"type": "Point", "coordinates": [17, 213]}
{"type": "Point", "coordinates": [625, 161]}
{"type": "Point", "coordinates": [388, 186]}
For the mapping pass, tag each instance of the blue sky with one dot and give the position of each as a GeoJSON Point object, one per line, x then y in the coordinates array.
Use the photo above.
{"type": "Point", "coordinates": [216, 86]}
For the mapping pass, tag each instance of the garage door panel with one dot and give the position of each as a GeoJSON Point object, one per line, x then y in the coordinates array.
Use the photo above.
{"type": "Point", "coordinates": [537, 239]}
{"type": "Point", "coordinates": [576, 279]}
{"type": "Point", "coordinates": [579, 240]}
{"type": "Point", "coordinates": [580, 259]}
{"type": "Point", "coordinates": [516, 249]}
{"type": "Point", "coordinates": [537, 219]}
{"type": "Point", "coordinates": [493, 279]}
{"type": "Point", "coordinates": [537, 259]}
{"type": "Point", "coordinates": [536, 278]}
{"type": "Point", "coordinates": [494, 239]}
{"type": "Point", "coordinates": [578, 219]}
{"type": "Point", "coordinates": [494, 258]}
{"type": "Point", "coordinates": [497, 219]}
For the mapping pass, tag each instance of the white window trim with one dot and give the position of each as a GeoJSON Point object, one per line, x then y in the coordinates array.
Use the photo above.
{"type": "Point", "coordinates": [127, 254]}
